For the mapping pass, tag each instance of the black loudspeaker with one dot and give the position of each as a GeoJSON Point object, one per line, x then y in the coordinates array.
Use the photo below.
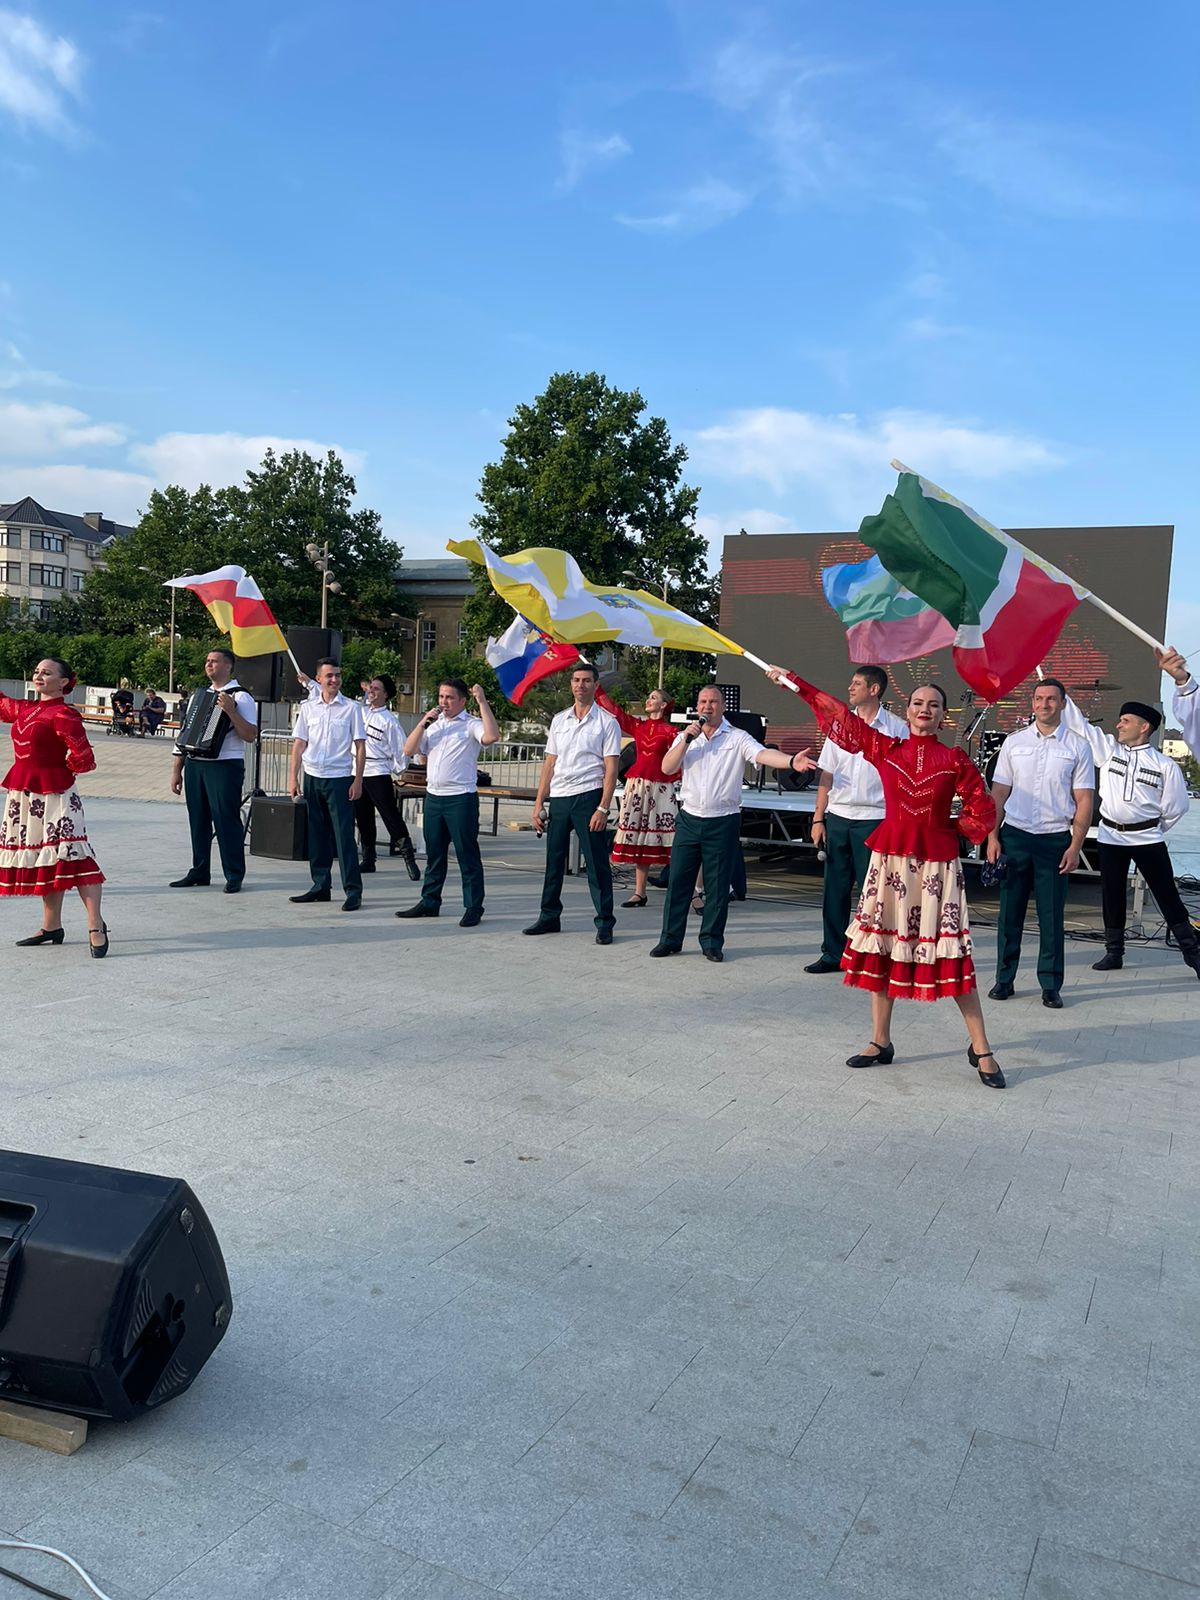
{"type": "Point", "coordinates": [279, 828]}
{"type": "Point", "coordinates": [749, 722]}
{"type": "Point", "coordinates": [113, 1292]}
{"type": "Point", "coordinates": [261, 676]}
{"type": "Point", "coordinates": [309, 645]}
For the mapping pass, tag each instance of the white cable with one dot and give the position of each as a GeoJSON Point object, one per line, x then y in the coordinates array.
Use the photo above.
{"type": "Point", "coordinates": [45, 1550]}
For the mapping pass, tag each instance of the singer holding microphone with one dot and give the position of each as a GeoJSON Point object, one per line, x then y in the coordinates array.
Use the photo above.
{"type": "Point", "coordinates": [712, 755]}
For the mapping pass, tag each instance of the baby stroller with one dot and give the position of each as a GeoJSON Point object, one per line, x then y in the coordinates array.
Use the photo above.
{"type": "Point", "coordinates": [124, 721]}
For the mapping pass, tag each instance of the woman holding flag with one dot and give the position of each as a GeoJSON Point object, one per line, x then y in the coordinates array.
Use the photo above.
{"type": "Point", "coordinates": [910, 937]}
{"type": "Point", "coordinates": [646, 827]}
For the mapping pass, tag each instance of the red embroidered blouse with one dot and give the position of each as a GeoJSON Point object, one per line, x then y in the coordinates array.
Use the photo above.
{"type": "Point", "coordinates": [920, 777]}
{"type": "Point", "coordinates": [50, 744]}
{"type": "Point", "coordinates": [652, 738]}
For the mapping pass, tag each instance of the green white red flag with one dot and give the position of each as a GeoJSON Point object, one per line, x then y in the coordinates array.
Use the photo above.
{"type": "Point", "coordinates": [1007, 605]}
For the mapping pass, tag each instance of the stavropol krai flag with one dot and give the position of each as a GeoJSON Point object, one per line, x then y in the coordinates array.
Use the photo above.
{"type": "Point", "coordinates": [236, 605]}
{"type": "Point", "coordinates": [1007, 605]}
{"type": "Point", "coordinates": [547, 587]}
{"type": "Point", "coordinates": [523, 655]}
{"type": "Point", "coordinates": [884, 621]}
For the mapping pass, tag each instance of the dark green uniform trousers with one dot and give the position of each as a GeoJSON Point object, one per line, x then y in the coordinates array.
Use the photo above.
{"type": "Point", "coordinates": [452, 819]}
{"type": "Point", "coordinates": [330, 828]}
{"type": "Point", "coordinates": [711, 843]}
{"type": "Point", "coordinates": [575, 811]}
{"type": "Point", "coordinates": [1033, 860]}
{"type": "Point", "coordinates": [846, 856]}
{"type": "Point", "coordinates": [213, 791]}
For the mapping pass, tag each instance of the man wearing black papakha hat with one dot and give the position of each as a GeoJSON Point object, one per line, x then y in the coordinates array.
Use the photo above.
{"type": "Point", "coordinates": [1142, 797]}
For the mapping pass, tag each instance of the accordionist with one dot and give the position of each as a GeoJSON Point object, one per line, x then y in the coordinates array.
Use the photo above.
{"type": "Point", "coordinates": [210, 771]}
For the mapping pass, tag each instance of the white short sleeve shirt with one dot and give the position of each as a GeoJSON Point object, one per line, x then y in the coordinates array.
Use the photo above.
{"type": "Point", "coordinates": [1043, 771]}
{"type": "Point", "coordinates": [714, 770]}
{"type": "Point", "coordinates": [579, 746]}
{"type": "Point", "coordinates": [330, 729]}
{"type": "Point", "coordinates": [451, 747]}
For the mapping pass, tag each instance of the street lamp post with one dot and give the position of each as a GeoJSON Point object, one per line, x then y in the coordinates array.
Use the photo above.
{"type": "Point", "coordinates": [667, 577]}
{"type": "Point", "coordinates": [318, 554]}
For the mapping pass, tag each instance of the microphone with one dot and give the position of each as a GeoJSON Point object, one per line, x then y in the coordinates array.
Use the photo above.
{"type": "Point", "coordinates": [703, 720]}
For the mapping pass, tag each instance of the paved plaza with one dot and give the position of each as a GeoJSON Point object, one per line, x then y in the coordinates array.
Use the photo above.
{"type": "Point", "coordinates": [559, 1272]}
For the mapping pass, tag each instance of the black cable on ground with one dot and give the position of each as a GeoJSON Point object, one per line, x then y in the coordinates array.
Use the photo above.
{"type": "Point", "coordinates": [38, 1588]}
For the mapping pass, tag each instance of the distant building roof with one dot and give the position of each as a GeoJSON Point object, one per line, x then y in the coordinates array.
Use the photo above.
{"type": "Point", "coordinates": [448, 577]}
{"type": "Point", "coordinates": [92, 527]}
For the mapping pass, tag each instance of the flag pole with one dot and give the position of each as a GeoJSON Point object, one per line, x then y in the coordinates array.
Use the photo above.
{"type": "Point", "coordinates": [1041, 561]}
{"type": "Point", "coordinates": [759, 662]}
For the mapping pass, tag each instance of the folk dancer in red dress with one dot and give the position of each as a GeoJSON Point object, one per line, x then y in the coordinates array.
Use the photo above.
{"type": "Point", "coordinates": [646, 829]}
{"type": "Point", "coordinates": [910, 937]}
{"type": "Point", "coordinates": [44, 847]}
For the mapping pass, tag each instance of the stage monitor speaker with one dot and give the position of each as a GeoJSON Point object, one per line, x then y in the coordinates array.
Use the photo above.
{"type": "Point", "coordinates": [113, 1291]}
{"type": "Point", "coordinates": [308, 645]}
{"type": "Point", "coordinates": [278, 828]}
{"type": "Point", "coordinates": [262, 676]}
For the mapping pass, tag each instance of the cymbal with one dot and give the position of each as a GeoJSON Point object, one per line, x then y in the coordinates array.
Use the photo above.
{"type": "Point", "coordinates": [1094, 684]}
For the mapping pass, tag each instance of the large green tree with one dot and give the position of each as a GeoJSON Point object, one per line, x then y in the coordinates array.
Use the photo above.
{"type": "Point", "coordinates": [585, 471]}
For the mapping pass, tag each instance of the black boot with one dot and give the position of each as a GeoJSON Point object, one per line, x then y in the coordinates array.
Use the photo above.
{"type": "Point", "coordinates": [1189, 945]}
{"type": "Point", "coordinates": [1113, 958]}
{"type": "Point", "coordinates": [410, 860]}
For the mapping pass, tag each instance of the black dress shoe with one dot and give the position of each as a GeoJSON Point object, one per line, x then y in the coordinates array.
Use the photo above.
{"type": "Point", "coordinates": [714, 955]}
{"type": "Point", "coordinates": [232, 888]}
{"type": "Point", "coordinates": [824, 966]}
{"type": "Point", "coordinates": [410, 864]}
{"type": "Point", "coordinates": [99, 951]}
{"type": "Point", "coordinates": [47, 936]}
{"type": "Point", "coordinates": [471, 918]}
{"type": "Point", "coordinates": [604, 936]}
{"type": "Point", "coordinates": [310, 898]}
{"type": "Point", "coordinates": [419, 910]}
{"type": "Point", "coordinates": [990, 1080]}
{"type": "Point", "coordinates": [1001, 991]}
{"type": "Point", "coordinates": [366, 866]}
{"type": "Point", "coordinates": [190, 882]}
{"type": "Point", "coordinates": [885, 1057]}
{"type": "Point", "coordinates": [352, 902]}
{"type": "Point", "coordinates": [543, 927]}
{"type": "Point", "coordinates": [1052, 998]}
{"type": "Point", "coordinates": [665, 950]}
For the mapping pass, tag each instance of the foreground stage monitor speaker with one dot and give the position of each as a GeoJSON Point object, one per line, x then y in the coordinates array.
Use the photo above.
{"type": "Point", "coordinates": [278, 828]}
{"type": "Point", "coordinates": [310, 645]}
{"type": "Point", "coordinates": [113, 1292]}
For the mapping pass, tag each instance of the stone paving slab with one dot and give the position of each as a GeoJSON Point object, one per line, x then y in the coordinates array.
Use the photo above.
{"type": "Point", "coordinates": [562, 1272]}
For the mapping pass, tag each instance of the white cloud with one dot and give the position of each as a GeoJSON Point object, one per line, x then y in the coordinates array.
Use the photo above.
{"type": "Point", "coordinates": [583, 153]}
{"type": "Point", "coordinates": [844, 459]}
{"type": "Point", "coordinates": [18, 374]}
{"type": "Point", "coordinates": [719, 525]}
{"type": "Point", "coordinates": [119, 495]}
{"type": "Point", "coordinates": [42, 429]}
{"type": "Point", "coordinates": [704, 205]}
{"type": "Point", "coordinates": [190, 459]}
{"type": "Point", "coordinates": [38, 73]}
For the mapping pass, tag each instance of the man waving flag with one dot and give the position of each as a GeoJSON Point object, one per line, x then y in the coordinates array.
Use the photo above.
{"type": "Point", "coordinates": [236, 605]}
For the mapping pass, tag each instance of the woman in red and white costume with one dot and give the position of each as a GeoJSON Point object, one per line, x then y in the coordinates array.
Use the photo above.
{"type": "Point", "coordinates": [44, 847]}
{"type": "Point", "coordinates": [910, 938]}
{"type": "Point", "coordinates": [646, 830]}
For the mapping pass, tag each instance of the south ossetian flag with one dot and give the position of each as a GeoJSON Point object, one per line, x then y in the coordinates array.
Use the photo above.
{"type": "Point", "coordinates": [548, 587]}
{"type": "Point", "coordinates": [236, 605]}
{"type": "Point", "coordinates": [523, 656]}
{"type": "Point", "coordinates": [884, 621]}
{"type": "Point", "coordinates": [1007, 605]}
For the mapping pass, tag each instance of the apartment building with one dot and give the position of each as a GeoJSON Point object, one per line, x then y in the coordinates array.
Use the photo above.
{"type": "Point", "coordinates": [47, 554]}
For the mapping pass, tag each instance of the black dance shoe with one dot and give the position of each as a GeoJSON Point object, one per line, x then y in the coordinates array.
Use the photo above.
{"type": "Point", "coordinates": [47, 936]}
{"type": "Point", "coordinates": [990, 1080]}
{"type": "Point", "coordinates": [885, 1057]}
{"type": "Point", "coordinates": [98, 950]}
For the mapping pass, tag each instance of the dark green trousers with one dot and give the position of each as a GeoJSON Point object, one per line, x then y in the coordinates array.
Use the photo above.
{"type": "Point", "coordinates": [574, 812]}
{"type": "Point", "coordinates": [1033, 860]}
{"type": "Point", "coordinates": [330, 828]}
{"type": "Point", "coordinates": [213, 791]}
{"type": "Point", "coordinates": [711, 843]}
{"type": "Point", "coordinates": [846, 858]}
{"type": "Point", "coordinates": [452, 819]}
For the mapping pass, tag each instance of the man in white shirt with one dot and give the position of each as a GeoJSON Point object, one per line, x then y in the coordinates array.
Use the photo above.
{"type": "Point", "coordinates": [1142, 797]}
{"type": "Point", "coordinates": [330, 737]}
{"type": "Point", "coordinates": [213, 785]}
{"type": "Point", "coordinates": [1044, 786]}
{"type": "Point", "coordinates": [449, 739]}
{"type": "Point", "coordinates": [713, 755]}
{"type": "Point", "coordinates": [849, 807]}
{"type": "Point", "coordinates": [1185, 702]}
{"type": "Point", "coordinates": [385, 756]}
{"type": "Point", "coordinates": [578, 776]}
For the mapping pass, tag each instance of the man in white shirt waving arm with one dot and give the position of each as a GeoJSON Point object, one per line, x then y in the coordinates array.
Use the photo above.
{"type": "Point", "coordinates": [1142, 797]}
{"type": "Point", "coordinates": [1044, 788]}
{"type": "Point", "coordinates": [1185, 703]}
{"type": "Point", "coordinates": [330, 739]}
{"type": "Point", "coordinates": [713, 755]}
{"type": "Point", "coordinates": [449, 739]}
{"type": "Point", "coordinates": [579, 774]}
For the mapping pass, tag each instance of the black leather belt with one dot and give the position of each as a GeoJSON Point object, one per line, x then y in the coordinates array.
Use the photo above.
{"type": "Point", "coordinates": [1131, 827]}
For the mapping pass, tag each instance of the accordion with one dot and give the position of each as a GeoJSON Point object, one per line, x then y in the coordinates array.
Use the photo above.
{"type": "Point", "coordinates": [204, 727]}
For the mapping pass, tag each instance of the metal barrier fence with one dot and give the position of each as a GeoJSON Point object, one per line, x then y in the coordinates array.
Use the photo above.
{"type": "Point", "coordinates": [509, 765]}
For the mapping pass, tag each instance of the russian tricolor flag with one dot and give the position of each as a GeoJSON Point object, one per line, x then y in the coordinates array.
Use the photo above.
{"type": "Point", "coordinates": [524, 655]}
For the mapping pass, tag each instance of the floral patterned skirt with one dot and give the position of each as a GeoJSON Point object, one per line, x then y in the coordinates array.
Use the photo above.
{"type": "Point", "coordinates": [646, 830]}
{"type": "Point", "coordinates": [44, 845]}
{"type": "Point", "coordinates": [910, 937]}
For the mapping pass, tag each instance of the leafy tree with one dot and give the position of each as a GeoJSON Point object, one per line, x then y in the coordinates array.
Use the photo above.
{"type": "Point", "coordinates": [583, 472]}
{"type": "Point", "coordinates": [1191, 772]}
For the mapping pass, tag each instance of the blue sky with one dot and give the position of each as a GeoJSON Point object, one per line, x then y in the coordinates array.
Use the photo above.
{"type": "Point", "coordinates": [813, 236]}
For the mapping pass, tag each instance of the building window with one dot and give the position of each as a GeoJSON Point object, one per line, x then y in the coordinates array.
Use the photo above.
{"type": "Point", "coordinates": [10, 572]}
{"type": "Point", "coordinates": [76, 582]}
{"type": "Point", "coordinates": [47, 541]}
{"type": "Point", "coordinates": [39, 610]}
{"type": "Point", "coordinates": [428, 639]}
{"type": "Point", "coordinates": [11, 537]}
{"type": "Point", "coordinates": [46, 577]}
{"type": "Point", "coordinates": [462, 635]}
